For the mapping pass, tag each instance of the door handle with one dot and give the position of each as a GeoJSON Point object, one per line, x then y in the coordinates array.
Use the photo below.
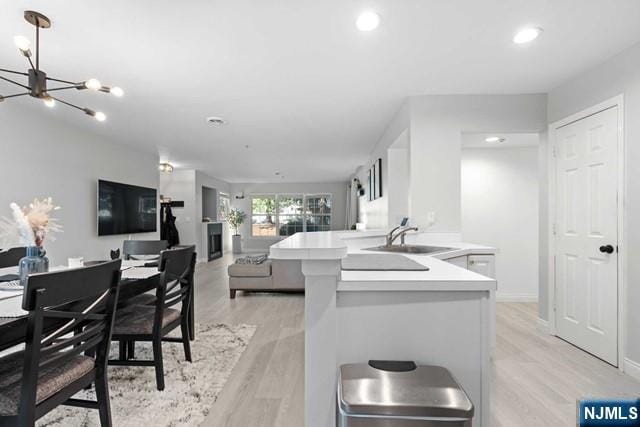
{"type": "Point", "coordinates": [606, 249]}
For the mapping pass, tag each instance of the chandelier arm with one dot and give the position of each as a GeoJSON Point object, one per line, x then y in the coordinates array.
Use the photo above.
{"type": "Point", "coordinates": [14, 72]}
{"type": "Point", "coordinates": [69, 104]}
{"type": "Point", "coordinates": [31, 62]}
{"type": "Point", "coordinates": [3, 97]}
{"type": "Point", "coordinates": [78, 85]}
{"type": "Point", "coordinates": [62, 88]}
{"type": "Point", "coordinates": [15, 83]}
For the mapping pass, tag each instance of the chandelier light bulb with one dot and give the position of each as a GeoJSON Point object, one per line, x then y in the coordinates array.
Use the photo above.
{"type": "Point", "coordinates": [22, 43]}
{"type": "Point", "coordinates": [116, 91]}
{"type": "Point", "coordinates": [368, 21]}
{"type": "Point", "coordinates": [49, 101]}
{"type": "Point", "coordinates": [100, 116]}
{"type": "Point", "coordinates": [93, 84]}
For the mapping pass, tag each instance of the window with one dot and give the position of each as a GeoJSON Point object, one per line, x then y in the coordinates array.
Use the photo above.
{"type": "Point", "coordinates": [287, 214]}
{"type": "Point", "coordinates": [224, 206]}
{"type": "Point", "coordinates": [290, 215]}
{"type": "Point", "coordinates": [318, 213]}
{"type": "Point", "coordinates": [263, 216]}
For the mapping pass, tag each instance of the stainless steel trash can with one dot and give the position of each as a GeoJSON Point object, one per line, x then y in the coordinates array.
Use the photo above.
{"type": "Point", "coordinates": [400, 394]}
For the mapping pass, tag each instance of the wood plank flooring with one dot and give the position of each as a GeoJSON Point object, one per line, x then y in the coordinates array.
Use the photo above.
{"type": "Point", "coordinates": [536, 378]}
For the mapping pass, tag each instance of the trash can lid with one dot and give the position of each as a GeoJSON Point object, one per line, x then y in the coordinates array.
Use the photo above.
{"type": "Point", "coordinates": [427, 391]}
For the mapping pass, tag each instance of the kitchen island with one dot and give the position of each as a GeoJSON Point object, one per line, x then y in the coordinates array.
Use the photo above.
{"type": "Point", "coordinates": [440, 316]}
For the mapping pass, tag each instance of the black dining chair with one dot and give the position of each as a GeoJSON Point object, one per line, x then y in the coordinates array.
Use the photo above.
{"type": "Point", "coordinates": [69, 327]}
{"type": "Point", "coordinates": [152, 323]}
{"type": "Point", "coordinates": [11, 257]}
{"type": "Point", "coordinates": [131, 248]}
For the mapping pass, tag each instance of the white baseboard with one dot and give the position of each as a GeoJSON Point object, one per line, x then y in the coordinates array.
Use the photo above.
{"type": "Point", "coordinates": [506, 297]}
{"type": "Point", "coordinates": [631, 368]}
{"type": "Point", "coordinates": [543, 326]}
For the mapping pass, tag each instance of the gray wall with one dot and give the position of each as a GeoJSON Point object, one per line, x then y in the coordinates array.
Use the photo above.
{"type": "Point", "coordinates": [620, 75]}
{"type": "Point", "coordinates": [338, 191]}
{"type": "Point", "coordinates": [42, 156]}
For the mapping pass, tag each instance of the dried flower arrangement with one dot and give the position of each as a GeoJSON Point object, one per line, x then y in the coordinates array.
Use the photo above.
{"type": "Point", "coordinates": [30, 224]}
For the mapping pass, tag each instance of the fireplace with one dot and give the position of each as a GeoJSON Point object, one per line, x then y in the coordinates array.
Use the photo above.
{"type": "Point", "coordinates": [214, 240]}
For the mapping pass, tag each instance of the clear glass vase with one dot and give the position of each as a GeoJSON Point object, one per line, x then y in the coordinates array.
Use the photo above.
{"type": "Point", "coordinates": [35, 261]}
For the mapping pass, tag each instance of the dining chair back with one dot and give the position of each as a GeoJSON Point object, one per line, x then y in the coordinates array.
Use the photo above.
{"type": "Point", "coordinates": [66, 358]}
{"type": "Point", "coordinates": [178, 265]}
{"type": "Point", "coordinates": [153, 323]}
{"type": "Point", "coordinates": [11, 257]}
{"type": "Point", "coordinates": [131, 248]}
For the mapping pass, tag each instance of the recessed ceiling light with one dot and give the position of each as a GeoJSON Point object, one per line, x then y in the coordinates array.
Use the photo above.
{"type": "Point", "coordinates": [217, 121]}
{"type": "Point", "coordinates": [368, 21]}
{"type": "Point", "coordinates": [527, 35]}
{"type": "Point", "coordinates": [494, 139]}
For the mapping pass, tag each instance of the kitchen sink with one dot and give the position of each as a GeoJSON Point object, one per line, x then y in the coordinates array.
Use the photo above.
{"type": "Point", "coordinates": [410, 249]}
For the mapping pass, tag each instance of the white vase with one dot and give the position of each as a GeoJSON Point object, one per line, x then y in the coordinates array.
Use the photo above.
{"type": "Point", "coordinates": [237, 243]}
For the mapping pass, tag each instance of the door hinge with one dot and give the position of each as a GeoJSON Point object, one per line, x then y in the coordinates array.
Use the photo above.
{"type": "Point", "coordinates": [553, 229]}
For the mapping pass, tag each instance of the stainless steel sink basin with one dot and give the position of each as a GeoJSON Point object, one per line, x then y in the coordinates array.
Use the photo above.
{"type": "Point", "coordinates": [410, 249]}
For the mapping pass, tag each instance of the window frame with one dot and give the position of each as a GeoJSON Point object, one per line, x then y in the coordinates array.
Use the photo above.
{"type": "Point", "coordinates": [304, 215]}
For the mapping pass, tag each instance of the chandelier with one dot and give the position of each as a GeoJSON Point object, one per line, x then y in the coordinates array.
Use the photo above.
{"type": "Point", "coordinates": [37, 80]}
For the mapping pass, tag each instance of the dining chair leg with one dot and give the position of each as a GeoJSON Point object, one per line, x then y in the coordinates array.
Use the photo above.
{"type": "Point", "coordinates": [192, 321]}
{"type": "Point", "coordinates": [157, 361]}
{"type": "Point", "coordinates": [102, 395]}
{"type": "Point", "coordinates": [122, 350]}
{"type": "Point", "coordinates": [186, 338]}
{"type": "Point", "coordinates": [131, 349]}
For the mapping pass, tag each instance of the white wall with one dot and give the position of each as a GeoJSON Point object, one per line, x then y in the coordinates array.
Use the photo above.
{"type": "Point", "coordinates": [338, 191]}
{"type": "Point", "coordinates": [434, 125]}
{"type": "Point", "coordinates": [399, 186]}
{"type": "Point", "coordinates": [44, 157]}
{"type": "Point", "coordinates": [500, 209]}
{"type": "Point", "coordinates": [620, 75]}
{"type": "Point", "coordinates": [375, 213]}
{"type": "Point", "coordinates": [437, 122]}
{"type": "Point", "coordinates": [186, 185]}
{"type": "Point", "coordinates": [180, 185]}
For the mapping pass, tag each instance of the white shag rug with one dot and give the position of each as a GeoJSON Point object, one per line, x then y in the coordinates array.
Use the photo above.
{"type": "Point", "coordinates": [190, 388]}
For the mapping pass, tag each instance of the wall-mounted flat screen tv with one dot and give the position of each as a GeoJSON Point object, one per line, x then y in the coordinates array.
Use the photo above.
{"type": "Point", "coordinates": [126, 209]}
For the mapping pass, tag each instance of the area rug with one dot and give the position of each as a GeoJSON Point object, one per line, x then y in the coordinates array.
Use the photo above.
{"type": "Point", "coordinates": [191, 388]}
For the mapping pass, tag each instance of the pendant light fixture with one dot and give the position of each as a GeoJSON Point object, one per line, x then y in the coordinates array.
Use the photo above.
{"type": "Point", "coordinates": [37, 80]}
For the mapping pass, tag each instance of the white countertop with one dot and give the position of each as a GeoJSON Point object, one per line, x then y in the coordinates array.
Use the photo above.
{"type": "Point", "coordinates": [318, 245]}
{"type": "Point", "coordinates": [336, 245]}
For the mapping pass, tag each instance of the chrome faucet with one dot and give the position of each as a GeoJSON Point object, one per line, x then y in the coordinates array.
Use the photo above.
{"type": "Point", "coordinates": [391, 237]}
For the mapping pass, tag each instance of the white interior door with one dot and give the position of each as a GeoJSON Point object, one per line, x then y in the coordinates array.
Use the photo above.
{"type": "Point", "coordinates": [586, 234]}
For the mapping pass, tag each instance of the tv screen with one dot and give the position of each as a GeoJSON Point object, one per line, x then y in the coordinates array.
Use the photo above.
{"type": "Point", "coordinates": [125, 209]}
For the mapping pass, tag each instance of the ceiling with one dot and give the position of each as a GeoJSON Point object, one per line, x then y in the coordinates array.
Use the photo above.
{"type": "Point", "coordinates": [511, 140]}
{"type": "Point", "coordinates": [304, 92]}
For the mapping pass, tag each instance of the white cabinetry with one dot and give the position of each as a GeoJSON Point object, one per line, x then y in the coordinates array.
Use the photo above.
{"type": "Point", "coordinates": [460, 261]}
{"type": "Point", "coordinates": [486, 266]}
{"type": "Point", "coordinates": [482, 264]}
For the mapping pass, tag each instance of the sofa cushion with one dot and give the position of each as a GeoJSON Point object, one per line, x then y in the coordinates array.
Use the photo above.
{"type": "Point", "coordinates": [250, 270]}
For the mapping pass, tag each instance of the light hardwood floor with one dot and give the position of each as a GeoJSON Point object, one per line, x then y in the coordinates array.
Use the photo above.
{"type": "Point", "coordinates": [536, 378]}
